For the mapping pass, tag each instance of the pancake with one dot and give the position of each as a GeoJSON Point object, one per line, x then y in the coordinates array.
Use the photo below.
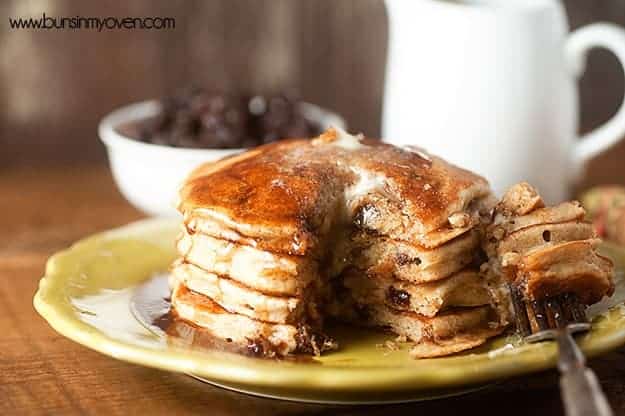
{"type": "Point", "coordinates": [257, 337]}
{"type": "Point", "coordinates": [383, 256]}
{"type": "Point", "coordinates": [446, 333]}
{"type": "Point", "coordinates": [573, 267]}
{"type": "Point", "coordinates": [235, 297]}
{"type": "Point", "coordinates": [277, 197]}
{"type": "Point", "coordinates": [449, 332]}
{"type": "Point", "coordinates": [267, 272]}
{"type": "Point", "coordinates": [566, 211]}
{"type": "Point", "coordinates": [465, 288]}
{"type": "Point", "coordinates": [536, 237]}
{"type": "Point", "coordinates": [471, 337]}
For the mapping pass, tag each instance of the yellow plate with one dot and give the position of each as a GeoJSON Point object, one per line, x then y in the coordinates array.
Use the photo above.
{"type": "Point", "coordinates": [87, 291]}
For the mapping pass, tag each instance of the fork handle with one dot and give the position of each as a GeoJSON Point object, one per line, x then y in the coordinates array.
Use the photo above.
{"type": "Point", "coordinates": [580, 390]}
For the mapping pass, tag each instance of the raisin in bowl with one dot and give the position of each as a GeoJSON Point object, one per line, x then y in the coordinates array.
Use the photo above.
{"type": "Point", "coordinates": [152, 148]}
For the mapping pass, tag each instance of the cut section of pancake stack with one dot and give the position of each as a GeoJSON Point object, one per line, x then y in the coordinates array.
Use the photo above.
{"type": "Point", "coordinates": [281, 238]}
{"type": "Point", "coordinates": [261, 302]}
{"type": "Point", "coordinates": [433, 296]}
{"type": "Point", "coordinates": [546, 251]}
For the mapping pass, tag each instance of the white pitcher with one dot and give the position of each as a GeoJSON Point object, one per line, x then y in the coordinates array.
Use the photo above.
{"type": "Point", "coordinates": [491, 86]}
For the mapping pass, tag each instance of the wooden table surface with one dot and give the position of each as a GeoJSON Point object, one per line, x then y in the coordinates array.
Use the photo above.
{"type": "Point", "coordinates": [46, 209]}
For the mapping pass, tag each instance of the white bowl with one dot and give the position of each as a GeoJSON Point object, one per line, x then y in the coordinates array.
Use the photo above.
{"type": "Point", "coordinates": [149, 175]}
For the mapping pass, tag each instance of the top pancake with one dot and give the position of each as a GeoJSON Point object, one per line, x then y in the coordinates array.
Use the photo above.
{"type": "Point", "coordinates": [284, 195]}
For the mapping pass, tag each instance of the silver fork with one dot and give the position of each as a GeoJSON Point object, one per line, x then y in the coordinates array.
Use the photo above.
{"type": "Point", "coordinates": [558, 318]}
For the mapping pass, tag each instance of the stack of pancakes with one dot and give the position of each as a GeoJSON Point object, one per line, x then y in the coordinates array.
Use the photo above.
{"type": "Point", "coordinates": [280, 238]}
{"type": "Point", "coordinates": [546, 251]}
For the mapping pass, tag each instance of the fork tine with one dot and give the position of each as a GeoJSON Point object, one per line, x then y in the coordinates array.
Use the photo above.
{"type": "Point", "coordinates": [578, 310]}
{"type": "Point", "coordinates": [520, 311]}
{"type": "Point", "coordinates": [537, 315]}
{"type": "Point", "coordinates": [555, 315]}
{"type": "Point", "coordinates": [568, 307]}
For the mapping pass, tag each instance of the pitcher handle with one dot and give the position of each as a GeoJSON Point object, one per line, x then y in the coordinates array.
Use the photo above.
{"type": "Point", "coordinates": [612, 38]}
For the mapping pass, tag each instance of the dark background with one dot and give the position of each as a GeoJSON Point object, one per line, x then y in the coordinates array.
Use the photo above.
{"type": "Point", "coordinates": [56, 84]}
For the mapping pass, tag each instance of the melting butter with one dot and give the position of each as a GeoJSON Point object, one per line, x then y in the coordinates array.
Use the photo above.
{"type": "Point", "coordinates": [346, 140]}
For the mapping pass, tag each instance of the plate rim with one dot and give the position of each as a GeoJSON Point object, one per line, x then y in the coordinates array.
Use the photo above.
{"type": "Point", "coordinates": [434, 395]}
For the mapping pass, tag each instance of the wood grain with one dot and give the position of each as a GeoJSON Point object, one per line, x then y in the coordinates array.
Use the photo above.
{"type": "Point", "coordinates": [45, 210]}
